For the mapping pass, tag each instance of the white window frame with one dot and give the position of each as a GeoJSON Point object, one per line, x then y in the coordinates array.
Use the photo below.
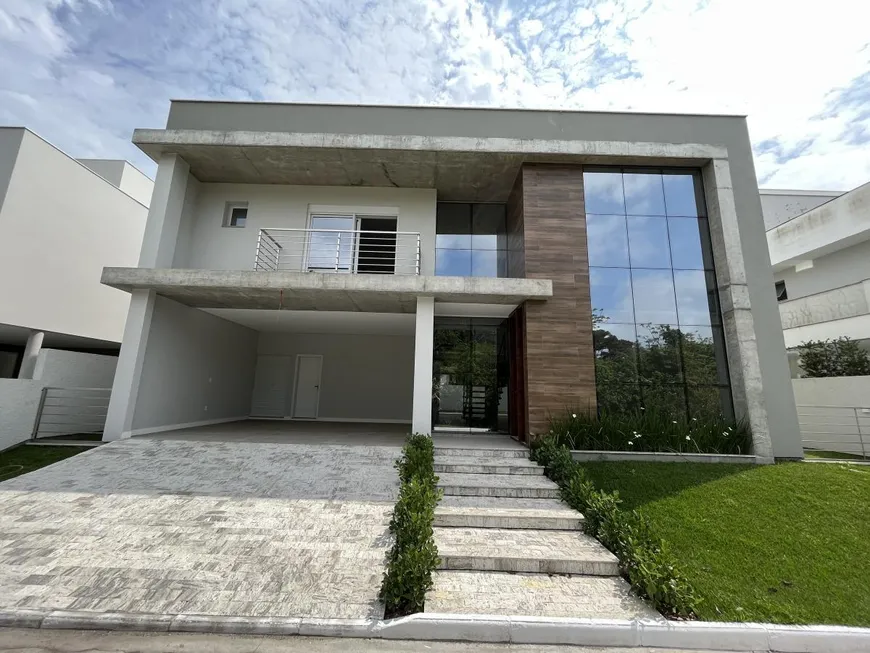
{"type": "Point", "coordinates": [352, 212]}
{"type": "Point", "coordinates": [229, 207]}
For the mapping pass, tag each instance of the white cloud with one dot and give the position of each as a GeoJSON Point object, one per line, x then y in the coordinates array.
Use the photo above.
{"type": "Point", "coordinates": [84, 73]}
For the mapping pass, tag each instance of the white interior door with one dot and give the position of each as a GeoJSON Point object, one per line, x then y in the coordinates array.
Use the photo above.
{"type": "Point", "coordinates": [271, 386]}
{"type": "Point", "coordinates": [307, 388]}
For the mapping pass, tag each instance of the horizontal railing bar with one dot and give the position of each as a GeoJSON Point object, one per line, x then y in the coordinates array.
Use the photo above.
{"type": "Point", "coordinates": [840, 407]}
{"type": "Point", "coordinates": [56, 389]}
{"type": "Point", "coordinates": [270, 230]}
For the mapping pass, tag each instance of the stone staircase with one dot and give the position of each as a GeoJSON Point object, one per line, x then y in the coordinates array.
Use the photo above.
{"type": "Point", "coordinates": [509, 546]}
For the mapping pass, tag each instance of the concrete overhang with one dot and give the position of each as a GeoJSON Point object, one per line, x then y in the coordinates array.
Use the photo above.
{"type": "Point", "coordinates": [458, 167]}
{"type": "Point", "coordinates": [321, 292]}
{"type": "Point", "coordinates": [833, 226]}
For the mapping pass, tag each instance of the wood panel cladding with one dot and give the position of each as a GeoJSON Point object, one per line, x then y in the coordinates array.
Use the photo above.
{"type": "Point", "coordinates": [546, 222]}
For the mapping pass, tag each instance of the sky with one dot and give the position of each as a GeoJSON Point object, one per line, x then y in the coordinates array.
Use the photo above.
{"type": "Point", "coordinates": [84, 73]}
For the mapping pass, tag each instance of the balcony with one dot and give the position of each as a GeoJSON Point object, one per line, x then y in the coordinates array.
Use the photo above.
{"type": "Point", "coordinates": [338, 251]}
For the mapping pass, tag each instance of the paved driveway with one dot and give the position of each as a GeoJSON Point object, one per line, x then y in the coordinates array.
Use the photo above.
{"type": "Point", "coordinates": [226, 528]}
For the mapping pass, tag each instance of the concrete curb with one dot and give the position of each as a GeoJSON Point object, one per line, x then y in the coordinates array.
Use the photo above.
{"type": "Point", "coordinates": [585, 456]}
{"type": "Point", "coordinates": [656, 633]}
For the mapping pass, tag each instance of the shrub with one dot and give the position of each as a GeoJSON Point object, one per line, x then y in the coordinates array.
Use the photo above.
{"type": "Point", "coordinates": [643, 558]}
{"type": "Point", "coordinates": [650, 430]}
{"type": "Point", "coordinates": [840, 357]}
{"type": "Point", "coordinates": [413, 556]}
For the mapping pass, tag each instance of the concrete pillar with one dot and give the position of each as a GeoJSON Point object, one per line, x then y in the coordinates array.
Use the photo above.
{"type": "Point", "coordinates": [125, 388]}
{"type": "Point", "coordinates": [31, 353]}
{"type": "Point", "coordinates": [744, 364]}
{"type": "Point", "coordinates": [164, 215]}
{"type": "Point", "coordinates": [424, 340]}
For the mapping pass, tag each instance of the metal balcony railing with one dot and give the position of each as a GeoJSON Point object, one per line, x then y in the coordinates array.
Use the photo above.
{"type": "Point", "coordinates": [338, 251]}
{"type": "Point", "coordinates": [844, 429]}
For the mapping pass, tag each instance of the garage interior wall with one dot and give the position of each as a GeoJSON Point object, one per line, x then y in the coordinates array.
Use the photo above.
{"type": "Point", "coordinates": [364, 377]}
{"type": "Point", "coordinates": [197, 368]}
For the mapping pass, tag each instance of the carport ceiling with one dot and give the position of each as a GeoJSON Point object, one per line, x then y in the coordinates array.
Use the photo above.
{"type": "Point", "coordinates": [456, 175]}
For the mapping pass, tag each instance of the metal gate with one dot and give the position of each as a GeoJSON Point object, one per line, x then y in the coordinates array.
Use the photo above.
{"type": "Point", "coordinates": [71, 411]}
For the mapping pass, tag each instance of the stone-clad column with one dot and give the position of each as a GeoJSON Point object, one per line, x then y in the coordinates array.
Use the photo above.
{"type": "Point", "coordinates": [546, 214]}
{"type": "Point", "coordinates": [739, 326]}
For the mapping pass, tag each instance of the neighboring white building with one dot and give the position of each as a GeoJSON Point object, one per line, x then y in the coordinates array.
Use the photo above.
{"type": "Point", "coordinates": [820, 252]}
{"type": "Point", "coordinates": [61, 222]}
{"type": "Point", "coordinates": [821, 264]}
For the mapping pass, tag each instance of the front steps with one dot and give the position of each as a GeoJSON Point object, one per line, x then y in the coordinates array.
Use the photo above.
{"type": "Point", "coordinates": [509, 546]}
{"type": "Point", "coordinates": [472, 465]}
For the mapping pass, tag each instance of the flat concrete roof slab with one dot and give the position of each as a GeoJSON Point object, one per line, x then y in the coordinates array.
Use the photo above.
{"type": "Point", "coordinates": [372, 293]}
{"type": "Point", "coordinates": [460, 167]}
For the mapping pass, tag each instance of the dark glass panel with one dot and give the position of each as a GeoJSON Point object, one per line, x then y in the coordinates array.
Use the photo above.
{"type": "Point", "coordinates": [696, 297]}
{"type": "Point", "coordinates": [707, 402]}
{"type": "Point", "coordinates": [615, 353]}
{"type": "Point", "coordinates": [618, 398]}
{"type": "Point", "coordinates": [611, 294]}
{"type": "Point", "coordinates": [453, 226]}
{"type": "Point", "coordinates": [608, 241]}
{"type": "Point", "coordinates": [648, 242]}
{"type": "Point", "coordinates": [485, 263]}
{"type": "Point", "coordinates": [704, 359]}
{"type": "Point", "coordinates": [654, 296]}
{"type": "Point", "coordinates": [644, 194]}
{"type": "Point", "coordinates": [488, 230]}
{"type": "Point", "coordinates": [453, 262]}
{"type": "Point", "coordinates": [666, 400]}
{"type": "Point", "coordinates": [603, 192]}
{"type": "Point", "coordinates": [687, 242]}
{"type": "Point", "coordinates": [681, 195]}
{"type": "Point", "coordinates": [658, 347]}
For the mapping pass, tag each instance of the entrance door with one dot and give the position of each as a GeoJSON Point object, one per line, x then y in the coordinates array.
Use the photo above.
{"type": "Point", "coordinates": [470, 374]}
{"type": "Point", "coordinates": [271, 386]}
{"type": "Point", "coordinates": [306, 396]}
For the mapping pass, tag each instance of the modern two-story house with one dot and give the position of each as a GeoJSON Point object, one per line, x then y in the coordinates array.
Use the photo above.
{"type": "Point", "coordinates": [449, 268]}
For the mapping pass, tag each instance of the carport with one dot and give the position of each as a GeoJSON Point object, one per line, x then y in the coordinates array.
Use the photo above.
{"type": "Point", "coordinates": [292, 432]}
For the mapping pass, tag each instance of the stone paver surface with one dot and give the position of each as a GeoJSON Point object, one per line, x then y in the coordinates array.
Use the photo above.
{"type": "Point", "coordinates": [232, 528]}
{"type": "Point", "coordinates": [475, 592]}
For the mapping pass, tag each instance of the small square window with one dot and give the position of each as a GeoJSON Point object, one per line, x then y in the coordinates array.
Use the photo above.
{"type": "Point", "coordinates": [781, 292]}
{"type": "Point", "coordinates": [236, 214]}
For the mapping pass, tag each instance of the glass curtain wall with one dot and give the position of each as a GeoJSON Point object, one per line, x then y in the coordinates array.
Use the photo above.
{"type": "Point", "coordinates": [470, 374]}
{"type": "Point", "coordinates": [470, 240]}
{"type": "Point", "coordinates": [657, 326]}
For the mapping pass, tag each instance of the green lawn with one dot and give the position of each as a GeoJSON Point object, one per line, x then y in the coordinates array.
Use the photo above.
{"type": "Point", "coordinates": [26, 458]}
{"type": "Point", "coordinates": [786, 543]}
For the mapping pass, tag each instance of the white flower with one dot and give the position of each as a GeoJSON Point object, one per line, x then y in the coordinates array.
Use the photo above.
{"type": "Point", "coordinates": [642, 408]}
{"type": "Point", "coordinates": [630, 442]}
{"type": "Point", "coordinates": [688, 437]}
{"type": "Point", "coordinates": [634, 432]}
{"type": "Point", "coordinates": [574, 415]}
{"type": "Point", "coordinates": [675, 421]}
{"type": "Point", "coordinates": [730, 429]}
{"type": "Point", "coordinates": [725, 433]}
{"type": "Point", "coordinates": [694, 419]}
{"type": "Point", "coordinates": [638, 436]}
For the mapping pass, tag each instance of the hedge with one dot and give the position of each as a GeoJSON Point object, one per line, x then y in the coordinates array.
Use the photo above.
{"type": "Point", "coordinates": [643, 558]}
{"type": "Point", "coordinates": [413, 556]}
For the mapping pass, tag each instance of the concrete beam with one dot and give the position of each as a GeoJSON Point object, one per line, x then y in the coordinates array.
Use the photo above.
{"type": "Point", "coordinates": [154, 139]}
{"type": "Point", "coordinates": [321, 292]}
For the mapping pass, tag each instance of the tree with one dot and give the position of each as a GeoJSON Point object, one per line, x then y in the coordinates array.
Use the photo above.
{"type": "Point", "coordinates": [840, 357]}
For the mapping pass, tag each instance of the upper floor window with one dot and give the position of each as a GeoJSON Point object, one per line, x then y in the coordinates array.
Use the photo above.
{"type": "Point", "coordinates": [781, 292]}
{"type": "Point", "coordinates": [236, 214]}
{"type": "Point", "coordinates": [470, 240]}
